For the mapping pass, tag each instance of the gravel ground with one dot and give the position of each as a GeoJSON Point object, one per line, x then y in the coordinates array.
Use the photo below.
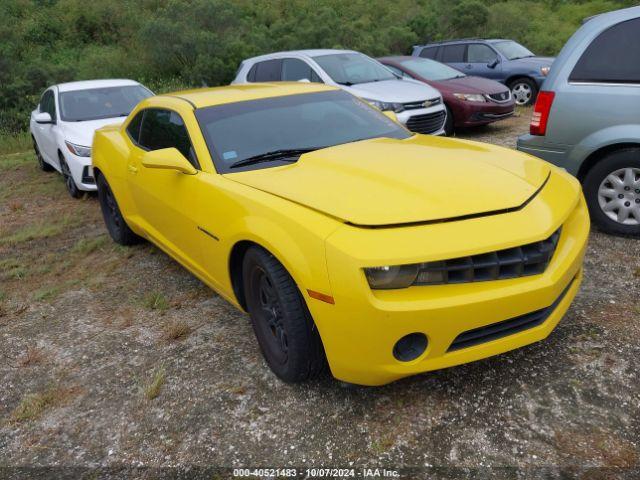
{"type": "Point", "coordinates": [118, 358]}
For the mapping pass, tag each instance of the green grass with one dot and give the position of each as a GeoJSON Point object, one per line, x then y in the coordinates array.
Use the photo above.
{"type": "Point", "coordinates": [156, 301]}
{"type": "Point", "coordinates": [37, 231]}
{"type": "Point", "coordinates": [15, 143]}
{"type": "Point", "coordinates": [157, 381]}
{"type": "Point", "coordinates": [46, 293]}
{"type": "Point", "coordinates": [13, 268]}
{"type": "Point", "coordinates": [32, 406]}
{"type": "Point", "coordinates": [86, 246]}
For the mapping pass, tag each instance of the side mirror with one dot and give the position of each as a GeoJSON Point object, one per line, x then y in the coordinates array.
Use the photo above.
{"type": "Point", "coordinates": [392, 115]}
{"type": "Point", "coordinates": [494, 63]}
{"type": "Point", "coordinates": [168, 159]}
{"type": "Point", "coordinates": [42, 118]}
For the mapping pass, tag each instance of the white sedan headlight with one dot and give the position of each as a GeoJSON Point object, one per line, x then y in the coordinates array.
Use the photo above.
{"type": "Point", "coordinates": [470, 97]}
{"type": "Point", "coordinates": [386, 106]}
{"type": "Point", "coordinates": [78, 150]}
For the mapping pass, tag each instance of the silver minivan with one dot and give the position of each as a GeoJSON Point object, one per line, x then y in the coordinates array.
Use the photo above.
{"type": "Point", "coordinates": [587, 117]}
{"type": "Point", "coordinates": [417, 106]}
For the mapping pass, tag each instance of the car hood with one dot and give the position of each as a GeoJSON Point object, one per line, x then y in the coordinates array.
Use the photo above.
{"type": "Point", "coordinates": [81, 133]}
{"type": "Point", "coordinates": [470, 85]}
{"type": "Point", "coordinates": [382, 182]}
{"type": "Point", "coordinates": [400, 91]}
{"type": "Point", "coordinates": [533, 62]}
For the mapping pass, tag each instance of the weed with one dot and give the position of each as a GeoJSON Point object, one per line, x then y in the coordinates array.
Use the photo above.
{"type": "Point", "coordinates": [637, 273]}
{"type": "Point", "coordinates": [14, 143]}
{"type": "Point", "coordinates": [32, 405]}
{"type": "Point", "coordinates": [12, 268]}
{"type": "Point", "coordinates": [33, 356]}
{"type": "Point", "coordinates": [175, 331]}
{"type": "Point", "coordinates": [157, 381]}
{"type": "Point", "coordinates": [156, 301]}
{"type": "Point", "coordinates": [87, 246]}
{"type": "Point", "coordinates": [45, 293]}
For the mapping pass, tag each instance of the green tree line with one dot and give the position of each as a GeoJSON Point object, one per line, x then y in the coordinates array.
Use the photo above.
{"type": "Point", "coordinates": [170, 44]}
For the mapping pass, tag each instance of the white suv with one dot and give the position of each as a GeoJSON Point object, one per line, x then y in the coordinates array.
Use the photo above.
{"type": "Point", "coordinates": [68, 114]}
{"type": "Point", "coordinates": [418, 106]}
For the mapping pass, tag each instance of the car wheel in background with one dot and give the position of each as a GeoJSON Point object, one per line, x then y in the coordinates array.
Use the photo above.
{"type": "Point", "coordinates": [69, 182]}
{"type": "Point", "coordinates": [524, 91]}
{"type": "Point", "coordinates": [44, 166]}
{"type": "Point", "coordinates": [288, 338]}
{"type": "Point", "coordinates": [113, 219]}
{"type": "Point", "coordinates": [448, 124]}
{"type": "Point", "coordinates": [612, 190]}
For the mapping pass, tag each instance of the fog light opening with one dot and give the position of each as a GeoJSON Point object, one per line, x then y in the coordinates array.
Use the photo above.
{"type": "Point", "coordinates": [410, 347]}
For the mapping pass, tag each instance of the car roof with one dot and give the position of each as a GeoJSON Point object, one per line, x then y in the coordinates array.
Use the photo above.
{"type": "Point", "coordinates": [88, 84]}
{"type": "Point", "coordinates": [605, 19]}
{"type": "Point", "coordinates": [208, 97]}
{"type": "Point", "coordinates": [299, 53]}
{"type": "Point", "coordinates": [466, 40]}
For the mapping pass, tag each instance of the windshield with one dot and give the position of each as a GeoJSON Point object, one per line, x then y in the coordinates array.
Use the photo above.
{"type": "Point", "coordinates": [353, 68]}
{"type": "Point", "coordinates": [431, 70]}
{"type": "Point", "coordinates": [97, 103]}
{"type": "Point", "coordinates": [242, 130]}
{"type": "Point", "coordinates": [512, 50]}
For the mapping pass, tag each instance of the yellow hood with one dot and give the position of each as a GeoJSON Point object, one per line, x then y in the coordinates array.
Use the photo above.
{"type": "Point", "coordinates": [388, 182]}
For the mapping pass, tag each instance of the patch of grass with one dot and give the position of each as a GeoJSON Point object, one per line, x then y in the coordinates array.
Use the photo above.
{"type": "Point", "coordinates": [14, 143]}
{"type": "Point", "coordinates": [3, 295]}
{"type": "Point", "coordinates": [38, 231]}
{"type": "Point", "coordinates": [33, 356]}
{"type": "Point", "coordinates": [175, 331]}
{"type": "Point", "coordinates": [87, 246]}
{"type": "Point", "coordinates": [32, 405]}
{"type": "Point", "coordinates": [13, 268]}
{"type": "Point", "coordinates": [45, 293]}
{"type": "Point", "coordinates": [156, 301]}
{"type": "Point", "coordinates": [153, 388]}
{"type": "Point", "coordinates": [637, 273]}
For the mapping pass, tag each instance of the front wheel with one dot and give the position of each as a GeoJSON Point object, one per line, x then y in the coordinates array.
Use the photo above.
{"type": "Point", "coordinates": [612, 190]}
{"type": "Point", "coordinates": [113, 219]}
{"type": "Point", "coordinates": [69, 182]}
{"type": "Point", "coordinates": [288, 338]}
{"type": "Point", "coordinates": [524, 91]}
{"type": "Point", "coordinates": [448, 124]}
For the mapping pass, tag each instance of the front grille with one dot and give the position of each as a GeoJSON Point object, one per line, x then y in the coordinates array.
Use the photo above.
{"type": "Point", "coordinates": [427, 123]}
{"type": "Point", "coordinates": [422, 104]}
{"type": "Point", "coordinates": [501, 97]}
{"type": "Point", "coordinates": [505, 328]}
{"type": "Point", "coordinates": [530, 259]}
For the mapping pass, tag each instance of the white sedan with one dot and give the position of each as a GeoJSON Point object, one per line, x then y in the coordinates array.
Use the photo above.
{"type": "Point", "coordinates": [67, 116]}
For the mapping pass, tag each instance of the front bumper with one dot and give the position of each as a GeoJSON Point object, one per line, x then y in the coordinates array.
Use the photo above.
{"type": "Point", "coordinates": [360, 330]}
{"type": "Point", "coordinates": [428, 121]}
{"type": "Point", "coordinates": [469, 114]}
{"type": "Point", "coordinates": [81, 171]}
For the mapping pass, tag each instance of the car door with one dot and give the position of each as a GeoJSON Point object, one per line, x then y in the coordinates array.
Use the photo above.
{"type": "Point", "coordinates": [453, 55]}
{"type": "Point", "coordinates": [168, 202]}
{"type": "Point", "coordinates": [45, 132]}
{"type": "Point", "coordinates": [482, 61]}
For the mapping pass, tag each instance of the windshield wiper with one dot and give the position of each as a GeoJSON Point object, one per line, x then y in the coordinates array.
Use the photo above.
{"type": "Point", "coordinates": [346, 84]}
{"type": "Point", "coordinates": [282, 154]}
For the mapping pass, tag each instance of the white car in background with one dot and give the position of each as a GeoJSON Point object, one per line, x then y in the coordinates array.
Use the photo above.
{"type": "Point", "coordinates": [68, 114]}
{"type": "Point", "coordinates": [418, 106]}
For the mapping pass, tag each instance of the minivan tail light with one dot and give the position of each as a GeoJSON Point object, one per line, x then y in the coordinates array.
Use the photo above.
{"type": "Point", "coordinates": [541, 111]}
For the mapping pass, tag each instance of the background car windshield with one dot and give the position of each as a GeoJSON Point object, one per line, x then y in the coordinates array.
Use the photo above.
{"type": "Point", "coordinates": [96, 103]}
{"type": "Point", "coordinates": [512, 50]}
{"type": "Point", "coordinates": [237, 131]}
{"type": "Point", "coordinates": [353, 68]}
{"type": "Point", "coordinates": [431, 70]}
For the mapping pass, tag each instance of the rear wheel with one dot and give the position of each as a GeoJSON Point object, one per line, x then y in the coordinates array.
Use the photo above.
{"type": "Point", "coordinates": [69, 182]}
{"type": "Point", "coordinates": [44, 166]}
{"type": "Point", "coordinates": [612, 190]}
{"type": "Point", "coordinates": [288, 338]}
{"type": "Point", "coordinates": [524, 91]}
{"type": "Point", "coordinates": [113, 219]}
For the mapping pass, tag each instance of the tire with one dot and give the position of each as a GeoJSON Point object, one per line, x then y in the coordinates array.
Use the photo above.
{"type": "Point", "coordinates": [448, 124]}
{"type": "Point", "coordinates": [524, 91]}
{"type": "Point", "coordinates": [69, 182]}
{"type": "Point", "coordinates": [113, 219]}
{"type": "Point", "coordinates": [44, 166]}
{"type": "Point", "coordinates": [616, 175]}
{"type": "Point", "coordinates": [286, 333]}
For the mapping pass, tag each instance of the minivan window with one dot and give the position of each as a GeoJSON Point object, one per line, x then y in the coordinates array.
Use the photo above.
{"type": "Point", "coordinates": [429, 52]}
{"type": "Point", "coordinates": [613, 57]}
{"type": "Point", "coordinates": [353, 68]}
{"type": "Point", "coordinates": [268, 71]}
{"type": "Point", "coordinates": [479, 53]}
{"type": "Point", "coordinates": [166, 129]}
{"type": "Point", "coordinates": [453, 53]}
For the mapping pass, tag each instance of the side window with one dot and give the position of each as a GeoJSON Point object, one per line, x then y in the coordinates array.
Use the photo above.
{"type": "Point", "coordinates": [294, 69]}
{"type": "Point", "coordinates": [453, 53]}
{"type": "Point", "coordinates": [251, 76]}
{"type": "Point", "coordinates": [165, 129]}
{"type": "Point", "coordinates": [479, 53]}
{"type": "Point", "coordinates": [48, 104]}
{"type": "Point", "coordinates": [133, 129]}
{"type": "Point", "coordinates": [268, 71]}
{"type": "Point", "coordinates": [429, 52]}
{"type": "Point", "coordinates": [613, 57]}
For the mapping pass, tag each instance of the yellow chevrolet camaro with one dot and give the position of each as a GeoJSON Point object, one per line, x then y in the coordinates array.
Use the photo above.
{"type": "Point", "coordinates": [350, 241]}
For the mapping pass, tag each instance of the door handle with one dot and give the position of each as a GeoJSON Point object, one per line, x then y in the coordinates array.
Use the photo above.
{"type": "Point", "coordinates": [132, 169]}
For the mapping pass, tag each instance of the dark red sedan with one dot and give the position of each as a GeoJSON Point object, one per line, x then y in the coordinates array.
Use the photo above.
{"type": "Point", "coordinates": [470, 101]}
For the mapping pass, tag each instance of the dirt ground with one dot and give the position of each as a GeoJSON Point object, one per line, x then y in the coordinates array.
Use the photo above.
{"type": "Point", "coordinates": [118, 358]}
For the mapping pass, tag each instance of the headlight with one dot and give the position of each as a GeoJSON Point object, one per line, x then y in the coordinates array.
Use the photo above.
{"type": "Point", "coordinates": [470, 97]}
{"type": "Point", "coordinates": [545, 70]}
{"type": "Point", "coordinates": [78, 150]}
{"type": "Point", "coordinates": [401, 276]}
{"type": "Point", "coordinates": [384, 106]}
